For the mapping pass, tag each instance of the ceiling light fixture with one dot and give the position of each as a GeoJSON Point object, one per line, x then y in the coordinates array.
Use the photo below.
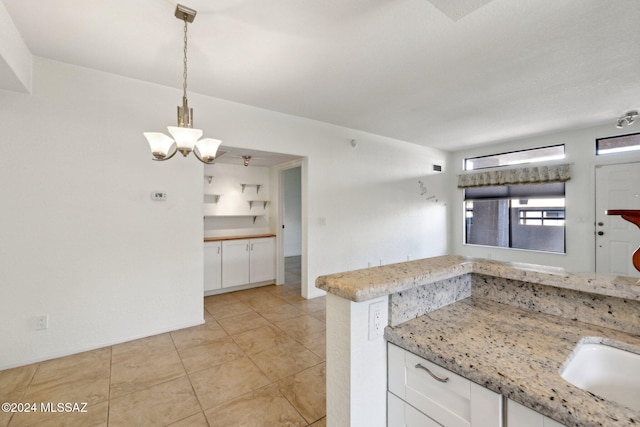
{"type": "Point", "coordinates": [245, 160]}
{"type": "Point", "coordinates": [628, 118]}
{"type": "Point", "coordinates": [185, 138]}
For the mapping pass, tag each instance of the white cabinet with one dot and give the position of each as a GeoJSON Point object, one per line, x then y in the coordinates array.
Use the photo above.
{"type": "Point", "coordinates": [262, 260]}
{"type": "Point", "coordinates": [235, 262]}
{"type": "Point", "coordinates": [248, 261]}
{"type": "Point", "coordinates": [444, 397]}
{"type": "Point", "coordinates": [521, 416]}
{"type": "Point", "coordinates": [212, 266]}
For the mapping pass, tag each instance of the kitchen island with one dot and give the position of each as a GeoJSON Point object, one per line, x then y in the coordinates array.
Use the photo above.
{"type": "Point", "coordinates": [508, 327]}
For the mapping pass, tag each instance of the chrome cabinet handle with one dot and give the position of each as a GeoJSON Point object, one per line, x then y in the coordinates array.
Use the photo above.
{"type": "Point", "coordinates": [435, 377]}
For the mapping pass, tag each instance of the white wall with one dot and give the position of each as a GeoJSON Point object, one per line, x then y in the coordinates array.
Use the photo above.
{"type": "Point", "coordinates": [292, 211]}
{"type": "Point", "coordinates": [579, 196]}
{"type": "Point", "coordinates": [83, 242]}
{"type": "Point", "coordinates": [233, 201]}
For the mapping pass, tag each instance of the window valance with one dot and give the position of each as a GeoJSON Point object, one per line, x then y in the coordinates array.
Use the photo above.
{"type": "Point", "coordinates": [526, 175]}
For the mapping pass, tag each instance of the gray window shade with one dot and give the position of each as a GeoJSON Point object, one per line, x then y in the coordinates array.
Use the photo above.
{"type": "Point", "coordinates": [555, 189]}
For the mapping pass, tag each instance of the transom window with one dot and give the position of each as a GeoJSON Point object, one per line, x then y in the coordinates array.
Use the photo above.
{"type": "Point", "coordinates": [534, 155]}
{"type": "Point", "coordinates": [618, 144]}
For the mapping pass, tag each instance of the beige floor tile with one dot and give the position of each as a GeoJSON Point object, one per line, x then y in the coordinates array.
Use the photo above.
{"type": "Point", "coordinates": [321, 315]}
{"type": "Point", "coordinates": [299, 327]}
{"type": "Point", "coordinates": [226, 297]}
{"type": "Point", "coordinates": [309, 305]}
{"type": "Point", "coordinates": [283, 360]}
{"type": "Point", "coordinates": [264, 301]}
{"type": "Point", "coordinates": [259, 339]}
{"type": "Point", "coordinates": [95, 416]}
{"type": "Point", "coordinates": [280, 313]}
{"type": "Point", "coordinates": [197, 420]}
{"type": "Point", "coordinates": [142, 349]}
{"type": "Point", "coordinates": [265, 407]}
{"type": "Point", "coordinates": [292, 296]}
{"type": "Point", "coordinates": [320, 423]}
{"type": "Point", "coordinates": [306, 391]}
{"type": "Point", "coordinates": [224, 382]}
{"type": "Point", "coordinates": [138, 374]}
{"type": "Point", "coordinates": [159, 405]}
{"type": "Point", "coordinates": [243, 322]}
{"type": "Point", "coordinates": [212, 354]}
{"type": "Point", "coordinates": [317, 343]}
{"type": "Point", "coordinates": [253, 293]}
{"type": "Point", "coordinates": [198, 335]}
{"type": "Point", "coordinates": [76, 366]}
{"type": "Point", "coordinates": [222, 309]}
{"type": "Point", "coordinates": [14, 382]}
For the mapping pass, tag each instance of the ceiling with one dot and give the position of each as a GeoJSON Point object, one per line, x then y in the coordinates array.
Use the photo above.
{"type": "Point", "coordinates": [440, 73]}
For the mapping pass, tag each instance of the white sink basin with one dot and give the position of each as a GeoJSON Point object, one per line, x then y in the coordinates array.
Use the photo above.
{"type": "Point", "coordinates": [605, 371]}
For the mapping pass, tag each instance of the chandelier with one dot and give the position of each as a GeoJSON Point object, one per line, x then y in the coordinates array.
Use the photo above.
{"type": "Point", "coordinates": [185, 138]}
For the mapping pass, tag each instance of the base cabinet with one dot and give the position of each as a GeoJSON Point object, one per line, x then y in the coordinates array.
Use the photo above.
{"type": "Point", "coordinates": [521, 416]}
{"type": "Point", "coordinates": [442, 396]}
{"type": "Point", "coordinates": [248, 261]}
{"type": "Point", "coordinates": [212, 266]}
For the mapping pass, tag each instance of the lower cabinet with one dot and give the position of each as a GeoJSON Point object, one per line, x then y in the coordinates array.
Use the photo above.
{"type": "Point", "coordinates": [248, 261]}
{"type": "Point", "coordinates": [212, 266]}
{"type": "Point", "coordinates": [424, 394]}
{"type": "Point", "coordinates": [444, 398]}
{"type": "Point", "coordinates": [521, 416]}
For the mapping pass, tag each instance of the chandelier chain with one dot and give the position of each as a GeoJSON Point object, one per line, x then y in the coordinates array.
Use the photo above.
{"type": "Point", "coordinates": [184, 74]}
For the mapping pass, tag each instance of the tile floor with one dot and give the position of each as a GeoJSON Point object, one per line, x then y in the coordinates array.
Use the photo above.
{"type": "Point", "coordinates": [259, 360]}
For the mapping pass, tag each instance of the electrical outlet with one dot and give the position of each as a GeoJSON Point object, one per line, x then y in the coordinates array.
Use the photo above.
{"type": "Point", "coordinates": [377, 319]}
{"type": "Point", "coordinates": [42, 322]}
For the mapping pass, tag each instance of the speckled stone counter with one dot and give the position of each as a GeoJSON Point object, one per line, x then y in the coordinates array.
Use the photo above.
{"type": "Point", "coordinates": [370, 283]}
{"type": "Point", "coordinates": [518, 353]}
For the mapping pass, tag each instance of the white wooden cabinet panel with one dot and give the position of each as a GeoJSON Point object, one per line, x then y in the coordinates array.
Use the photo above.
{"type": "Point", "coordinates": [457, 402]}
{"type": "Point", "coordinates": [235, 262]}
{"type": "Point", "coordinates": [520, 416]}
{"type": "Point", "coordinates": [212, 266]}
{"type": "Point", "coordinates": [262, 260]}
{"type": "Point", "coordinates": [401, 414]}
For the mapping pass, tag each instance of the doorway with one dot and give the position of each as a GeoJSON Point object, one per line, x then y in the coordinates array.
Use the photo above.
{"type": "Point", "coordinates": [616, 239]}
{"type": "Point", "coordinates": [292, 225]}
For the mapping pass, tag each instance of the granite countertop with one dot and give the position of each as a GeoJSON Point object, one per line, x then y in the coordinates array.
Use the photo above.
{"type": "Point", "coordinates": [517, 353]}
{"type": "Point", "coordinates": [370, 283]}
{"type": "Point", "coordinates": [252, 236]}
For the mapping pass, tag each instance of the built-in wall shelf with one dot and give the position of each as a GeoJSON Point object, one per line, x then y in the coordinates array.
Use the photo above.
{"type": "Point", "coordinates": [251, 185]}
{"type": "Point", "coordinates": [212, 198]}
{"type": "Point", "coordinates": [255, 217]}
{"type": "Point", "coordinates": [264, 203]}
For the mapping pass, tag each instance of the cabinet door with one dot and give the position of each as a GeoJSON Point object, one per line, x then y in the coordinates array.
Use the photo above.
{"type": "Point", "coordinates": [212, 266]}
{"type": "Point", "coordinates": [235, 262]}
{"type": "Point", "coordinates": [263, 260]}
{"type": "Point", "coordinates": [521, 416]}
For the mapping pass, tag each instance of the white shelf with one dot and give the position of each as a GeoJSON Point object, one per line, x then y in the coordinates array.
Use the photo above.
{"type": "Point", "coordinates": [251, 185]}
{"type": "Point", "coordinates": [235, 216]}
{"type": "Point", "coordinates": [212, 198]}
{"type": "Point", "coordinates": [264, 203]}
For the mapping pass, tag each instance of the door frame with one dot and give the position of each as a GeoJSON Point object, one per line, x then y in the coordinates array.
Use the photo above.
{"type": "Point", "coordinates": [280, 275]}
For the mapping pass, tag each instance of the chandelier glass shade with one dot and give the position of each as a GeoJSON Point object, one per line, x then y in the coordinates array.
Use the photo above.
{"type": "Point", "coordinates": [184, 138]}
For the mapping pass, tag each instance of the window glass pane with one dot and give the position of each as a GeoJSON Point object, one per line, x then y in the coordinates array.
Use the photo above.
{"type": "Point", "coordinates": [533, 155]}
{"type": "Point", "coordinates": [618, 144]}
{"type": "Point", "coordinates": [533, 224]}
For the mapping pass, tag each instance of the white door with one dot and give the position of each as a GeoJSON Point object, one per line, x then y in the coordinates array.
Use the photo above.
{"type": "Point", "coordinates": [617, 187]}
{"type": "Point", "coordinates": [235, 262]}
{"type": "Point", "coordinates": [263, 259]}
{"type": "Point", "coordinates": [212, 266]}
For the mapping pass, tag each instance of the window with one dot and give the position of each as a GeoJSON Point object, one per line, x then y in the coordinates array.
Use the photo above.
{"type": "Point", "coordinates": [618, 144]}
{"type": "Point", "coordinates": [528, 216]}
{"type": "Point", "coordinates": [533, 155]}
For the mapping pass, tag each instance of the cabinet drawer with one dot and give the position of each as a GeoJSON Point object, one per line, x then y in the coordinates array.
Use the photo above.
{"type": "Point", "coordinates": [457, 402]}
{"type": "Point", "coordinates": [401, 414]}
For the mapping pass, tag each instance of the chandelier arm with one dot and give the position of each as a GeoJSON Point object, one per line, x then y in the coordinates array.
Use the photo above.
{"type": "Point", "coordinates": [195, 153]}
{"type": "Point", "coordinates": [175, 150]}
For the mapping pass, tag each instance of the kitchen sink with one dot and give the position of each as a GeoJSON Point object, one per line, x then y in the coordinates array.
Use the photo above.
{"type": "Point", "coordinates": [606, 371]}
